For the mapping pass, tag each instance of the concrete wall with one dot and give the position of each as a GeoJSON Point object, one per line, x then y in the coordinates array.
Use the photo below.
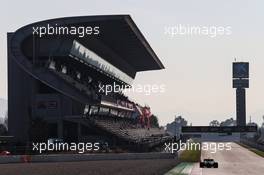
{"type": "Point", "coordinates": [85, 157]}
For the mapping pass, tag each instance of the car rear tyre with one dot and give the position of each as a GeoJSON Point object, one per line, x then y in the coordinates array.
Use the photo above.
{"type": "Point", "coordinates": [215, 165]}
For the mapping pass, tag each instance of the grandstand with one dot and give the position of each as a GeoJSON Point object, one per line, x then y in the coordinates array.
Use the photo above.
{"type": "Point", "coordinates": [54, 83]}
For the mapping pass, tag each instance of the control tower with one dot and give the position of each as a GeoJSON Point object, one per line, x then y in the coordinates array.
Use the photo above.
{"type": "Point", "coordinates": [241, 82]}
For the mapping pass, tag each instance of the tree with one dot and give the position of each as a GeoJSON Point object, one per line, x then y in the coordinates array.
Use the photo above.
{"type": "Point", "coordinates": [214, 123]}
{"type": "Point", "coordinates": [228, 122]}
{"type": "Point", "coordinates": [154, 122]}
{"type": "Point", "coordinates": [6, 120]}
{"type": "Point", "coordinates": [180, 121]}
{"type": "Point", "coordinates": [3, 129]}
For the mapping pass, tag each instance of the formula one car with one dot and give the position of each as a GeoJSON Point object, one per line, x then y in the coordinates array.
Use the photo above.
{"type": "Point", "coordinates": [208, 163]}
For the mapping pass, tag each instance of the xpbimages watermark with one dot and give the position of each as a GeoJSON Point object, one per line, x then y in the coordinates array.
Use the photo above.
{"type": "Point", "coordinates": [146, 89]}
{"type": "Point", "coordinates": [207, 146]}
{"type": "Point", "coordinates": [192, 30]}
{"type": "Point", "coordinates": [80, 31]}
{"type": "Point", "coordinates": [80, 147]}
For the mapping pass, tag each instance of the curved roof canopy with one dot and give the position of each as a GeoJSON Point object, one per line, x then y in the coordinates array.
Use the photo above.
{"type": "Point", "coordinates": [120, 42]}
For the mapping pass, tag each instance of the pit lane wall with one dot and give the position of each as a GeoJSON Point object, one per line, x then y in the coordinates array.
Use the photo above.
{"type": "Point", "coordinates": [84, 157]}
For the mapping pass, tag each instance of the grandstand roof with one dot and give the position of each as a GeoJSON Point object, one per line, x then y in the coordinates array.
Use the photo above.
{"type": "Point", "coordinates": [128, 47]}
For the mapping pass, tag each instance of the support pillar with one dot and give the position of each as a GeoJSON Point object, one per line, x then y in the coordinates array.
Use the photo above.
{"type": "Point", "coordinates": [60, 129]}
{"type": "Point", "coordinates": [241, 106]}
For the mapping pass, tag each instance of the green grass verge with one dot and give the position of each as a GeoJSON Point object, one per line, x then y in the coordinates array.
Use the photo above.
{"type": "Point", "coordinates": [181, 169]}
{"type": "Point", "coordinates": [191, 155]}
{"type": "Point", "coordinates": [256, 151]}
